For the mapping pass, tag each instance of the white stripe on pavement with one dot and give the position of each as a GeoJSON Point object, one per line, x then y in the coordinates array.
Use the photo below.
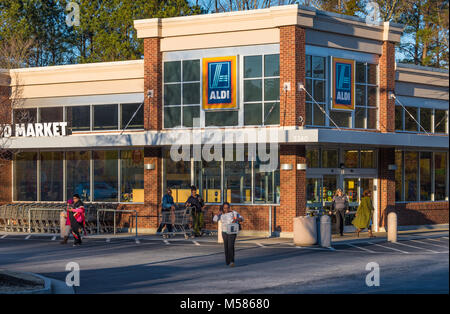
{"type": "Point", "coordinates": [391, 248]}
{"type": "Point", "coordinates": [166, 242]}
{"type": "Point", "coordinates": [416, 247]}
{"type": "Point", "coordinates": [418, 241]}
{"type": "Point", "coordinates": [53, 238]}
{"type": "Point", "coordinates": [195, 242]}
{"type": "Point", "coordinates": [361, 248]}
{"type": "Point", "coordinates": [27, 237]}
{"type": "Point", "coordinates": [259, 244]}
{"type": "Point", "coordinates": [108, 240]}
{"type": "Point", "coordinates": [445, 238]}
{"type": "Point", "coordinates": [436, 240]}
{"type": "Point", "coordinates": [4, 236]}
{"type": "Point", "coordinates": [137, 241]}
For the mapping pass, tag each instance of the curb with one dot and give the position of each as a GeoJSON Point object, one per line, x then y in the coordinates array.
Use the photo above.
{"type": "Point", "coordinates": [51, 286]}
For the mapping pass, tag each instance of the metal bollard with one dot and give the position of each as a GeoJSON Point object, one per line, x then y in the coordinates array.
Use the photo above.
{"type": "Point", "coordinates": [392, 227]}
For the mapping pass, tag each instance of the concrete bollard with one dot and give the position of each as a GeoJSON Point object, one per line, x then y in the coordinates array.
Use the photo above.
{"type": "Point", "coordinates": [219, 232]}
{"type": "Point", "coordinates": [392, 227]}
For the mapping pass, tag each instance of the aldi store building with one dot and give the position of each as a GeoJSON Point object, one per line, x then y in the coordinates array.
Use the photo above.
{"type": "Point", "coordinates": [271, 110]}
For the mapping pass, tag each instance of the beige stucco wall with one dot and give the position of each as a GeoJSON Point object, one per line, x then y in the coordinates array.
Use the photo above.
{"type": "Point", "coordinates": [80, 80]}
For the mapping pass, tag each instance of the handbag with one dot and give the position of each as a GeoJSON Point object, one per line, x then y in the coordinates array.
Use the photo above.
{"type": "Point", "coordinates": [232, 228]}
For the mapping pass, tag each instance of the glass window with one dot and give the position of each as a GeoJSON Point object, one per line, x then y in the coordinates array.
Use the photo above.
{"type": "Point", "coordinates": [25, 115]}
{"type": "Point", "coordinates": [399, 176]}
{"type": "Point", "coordinates": [253, 114]}
{"type": "Point", "coordinates": [425, 176]}
{"type": "Point", "coordinates": [425, 119]}
{"type": "Point", "coordinates": [411, 176]}
{"type": "Point", "coordinates": [238, 181]}
{"type": "Point", "coordinates": [360, 72]}
{"type": "Point", "coordinates": [252, 66]}
{"type": "Point", "coordinates": [272, 65]}
{"type": "Point", "coordinates": [222, 118]}
{"type": "Point", "coordinates": [440, 176]}
{"type": "Point", "coordinates": [252, 90]}
{"type": "Point", "coordinates": [267, 185]}
{"type": "Point", "coordinates": [372, 74]}
{"type": "Point", "coordinates": [399, 118]}
{"type": "Point", "coordinates": [313, 190]}
{"type": "Point", "coordinates": [78, 174]}
{"type": "Point", "coordinates": [191, 70]}
{"type": "Point", "coordinates": [312, 158]}
{"type": "Point", "coordinates": [208, 180]}
{"type": "Point", "coordinates": [330, 158]}
{"type": "Point", "coordinates": [410, 124]}
{"type": "Point", "coordinates": [172, 71]}
{"type": "Point", "coordinates": [172, 117]}
{"type": "Point", "coordinates": [172, 94]}
{"type": "Point", "coordinates": [315, 84]}
{"type": "Point", "coordinates": [318, 67]}
{"type": "Point", "coordinates": [341, 118]}
{"type": "Point", "coordinates": [79, 118]}
{"type": "Point", "coordinates": [440, 121]}
{"type": "Point", "coordinates": [271, 113]}
{"type": "Point", "coordinates": [54, 114]}
{"type": "Point", "coordinates": [351, 159]}
{"type": "Point", "coordinates": [190, 113]}
{"type": "Point", "coordinates": [360, 95]}
{"type": "Point", "coordinates": [105, 117]}
{"type": "Point", "coordinates": [52, 176]}
{"type": "Point", "coordinates": [272, 89]}
{"type": "Point", "coordinates": [105, 176]}
{"type": "Point", "coordinates": [178, 177]}
{"type": "Point", "coordinates": [368, 159]}
{"type": "Point", "coordinates": [132, 176]}
{"type": "Point", "coordinates": [360, 117]}
{"type": "Point", "coordinates": [128, 110]}
{"type": "Point", "coordinates": [25, 177]}
{"type": "Point", "coordinates": [191, 93]}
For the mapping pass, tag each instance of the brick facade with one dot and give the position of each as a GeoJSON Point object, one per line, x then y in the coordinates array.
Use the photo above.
{"type": "Point", "coordinates": [153, 82]}
{"type": "Point", "coordinates": [387, 84]}
{"type": "Point", "coordinates": [386, 184]}
{"type": "Point", "coordinates": [422, 213]}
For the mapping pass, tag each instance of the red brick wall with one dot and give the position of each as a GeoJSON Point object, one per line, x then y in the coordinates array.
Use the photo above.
{"type": "Point", "coordinates": [422, 213]}
{"type": "Point", "coordinates": [5, 181]}
{"type": "Point", "coordinates": [153, 81]}
{"type": "Point", "coordinates": [152, 184]}
{"type": "Point", "coordinates": [387, 83]}
{"type": "Point", "coordinates": [292, 69]}
{"type": "Point", "coordinates": [386, 184]}
{"type": "Point", "coordinates": [5, 156]}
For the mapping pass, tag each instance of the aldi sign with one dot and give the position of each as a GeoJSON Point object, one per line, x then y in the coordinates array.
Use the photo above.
{"type": "Point", "coordinates": [219, 83]}
{"type": "Point", "coordinates": [343, 85]}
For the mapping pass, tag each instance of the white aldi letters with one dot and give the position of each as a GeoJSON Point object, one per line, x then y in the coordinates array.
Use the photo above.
{"type": "Point", "coordinates": [50, 129]}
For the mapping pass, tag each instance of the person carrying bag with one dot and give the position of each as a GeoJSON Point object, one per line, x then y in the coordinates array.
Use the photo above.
{"type": "Point", "coordinates": [231, 221]}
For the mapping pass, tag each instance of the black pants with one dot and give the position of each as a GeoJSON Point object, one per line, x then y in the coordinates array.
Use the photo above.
{"type": "Point", "coordinates": [340, 220]}
{"type": "Point", "coordinates": [166, 217]}
{"type": "Point", "coordinates": [228, 243]}
{"type": "Point", "coordinates": [75, 227]}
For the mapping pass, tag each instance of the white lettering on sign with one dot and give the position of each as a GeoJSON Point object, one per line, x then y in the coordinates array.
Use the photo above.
{"type": "Point", "coordinates": [50, 129]}
{"type": "Point", "coordinates": [343, 96]}
{"type": "Point", "coordinates": [219, 94]}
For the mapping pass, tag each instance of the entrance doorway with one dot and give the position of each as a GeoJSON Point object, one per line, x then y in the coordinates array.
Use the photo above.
{"type": "Point", "coordinates": [321, 188]}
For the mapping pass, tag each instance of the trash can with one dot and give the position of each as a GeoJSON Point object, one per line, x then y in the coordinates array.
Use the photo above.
{"type": "Point", "coordinates": [324, 233]}
{"type": "Point", "coordinates": [305, 231]}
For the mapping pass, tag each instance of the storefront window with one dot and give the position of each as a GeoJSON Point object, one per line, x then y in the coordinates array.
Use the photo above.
{"type": "Point", "coordinates": [79, 118]}
{"type": "Point", "coordinates": [51, 176]}
{"type": "Point", "coordinates": [262, 90]}
{"type": "Point", "coordinates": [127, 112]}
{"type": "Point", "coordinates": [425, 119]}
{"type": "Point", "coordinates": [411, 173]}
{"type": "Point", "coordinates": [399, 118]}
{"type": "Point", "coordinates": [330, 158]}
{"type": "Point", "coordinates": [181, 93]}
{"type": "Point", "coordinates": [399, 176]}
{"type": "Point", "coordinates": [25, 177]}
{"type": "Point", "coordinates": [78, 174]}
{"type": "Point", "coordinates": [410, 124]}
{"type": "Point", "coordinates": [106, 117]}
{"type": "Point", "coordinates": [132, 176]}
{"type": "Point", "coordinates": [440, 176]}
{"type": "Point", "coordinates": [313, 158]}
{"type": "Point", "coordinates": [53, 114]}
{"type": "Point", "coordinates": [313, 190]}
{"type": "Point", "coordinates": [351, 158]}
{"type": "Point", "coordinates": [440, 121]}
{"type": "Point", "coordinates": [222, 118]}
{"type": "Point", "coordinates": [368, 159]}
{"type": "Point", "coordinates": [25, 115]}
{"type": "Point", "coordinates": [425, 176]}
{"type": "Point", "coordinates": [238, 181]}
{"type": "Point", "coordinates": [177, 177]}
{"type": "Point", "coordinates": [208, 180]}
{"type": "Point", "coordinates": [105, 176]}
{"type": "Point", "coordinates": [266, 185]}
{"type": "Point", "coordinates": [315, 85]}
{"type": "Point", "coordinates": [366, 97]}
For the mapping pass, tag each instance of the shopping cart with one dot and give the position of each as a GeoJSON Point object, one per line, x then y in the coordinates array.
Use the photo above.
{"type": "Point", "coordinates": [181, 221]}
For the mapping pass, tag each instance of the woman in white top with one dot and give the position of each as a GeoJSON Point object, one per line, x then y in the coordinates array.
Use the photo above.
{"type": "Point", "coordinates": [228, 217]}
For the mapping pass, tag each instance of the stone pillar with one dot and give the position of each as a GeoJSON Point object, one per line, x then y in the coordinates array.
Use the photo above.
{"type": "Point", "coordinates": [387, 84]}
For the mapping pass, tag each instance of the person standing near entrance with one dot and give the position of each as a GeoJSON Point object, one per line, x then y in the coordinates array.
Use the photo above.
{"type": "Point", "coordinates": [340, 207]}
{"type": "Point", "coordinates": [227, 217]}
{"type": "Point", "coordinates": [364, 214]}
{"type": "Point", "coordinates": [167, 206]}
{"type": "Point", "coordinates": [197, 204]}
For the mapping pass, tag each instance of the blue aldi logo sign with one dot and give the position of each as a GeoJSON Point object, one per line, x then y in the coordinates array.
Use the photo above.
{"type": "Point", "coordinates": [219, 83]}
{"type": "Point", "coordinates": [343, 85]}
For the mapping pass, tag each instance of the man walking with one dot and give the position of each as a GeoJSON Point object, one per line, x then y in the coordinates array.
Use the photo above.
{"type": "Point", "coordinates": [167, 206]}
{"type": "Point", "coordinates": [197, 204]}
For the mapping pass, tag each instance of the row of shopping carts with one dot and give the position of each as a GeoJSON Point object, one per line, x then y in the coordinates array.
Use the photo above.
{"type": "Point", "coordinates": [45, 217]}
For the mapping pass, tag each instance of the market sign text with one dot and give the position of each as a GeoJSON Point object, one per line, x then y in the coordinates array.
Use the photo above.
{"type": "Point", "coordinates": [50, 129]}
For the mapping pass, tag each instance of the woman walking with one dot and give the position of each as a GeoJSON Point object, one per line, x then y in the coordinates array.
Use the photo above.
{"type": "Point", "coordinates": [76, 215]}
{"type": "Point", "coordinates": [340, 208]}
{"type": "Point", "coordinates": [364, 214]}
{"type": "Point", "coordinates": [65, 222]}
{"type": "Point", "coordinates": [230, 220]}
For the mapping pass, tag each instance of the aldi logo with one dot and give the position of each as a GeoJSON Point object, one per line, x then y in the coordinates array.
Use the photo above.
{"type": "Point", "coordinates": [343, 91]}
{"type": "Point", "coordinates": [219, 83]}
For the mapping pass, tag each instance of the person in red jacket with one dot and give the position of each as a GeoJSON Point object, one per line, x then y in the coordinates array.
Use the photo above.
{"type": "Point", "coordinates": [76, 215]}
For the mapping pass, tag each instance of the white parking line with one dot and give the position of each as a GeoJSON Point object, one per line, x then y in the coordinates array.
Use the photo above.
{"type": "Point", "coordinates": [418, 241]}
{"type": "Point", "coordinates": [436, 240]}
{"type": "Point", "coordinates": [416, 247]}
{"type": "Point", "coordinates": [53, 238]}
{"type": "Point", "coordinates": [361, 248]}
{"type": "Point", "coordinates": [259, 244]}
{"type": "Point", "coordinates": [390, 248]}
{"type": "Point", "coordinates": [137, 241]}
{"type": "Point", "coordinates": [166, 242]}
{"type": "Point", "coordinates": [195, 242]}
{"type": "Point", "coordinates": [4, 236]}
{"type": "Point", "coordinates": [27, 237]}
{"type": "Point", "coordinates": [108, 240]}
{"type": "Point", "coordinates": [445, 238]}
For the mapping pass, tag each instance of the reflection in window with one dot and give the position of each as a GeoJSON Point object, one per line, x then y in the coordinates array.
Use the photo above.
{"type": "Point", "coordinates": [425, 119]}
{"type": "Point", "coordinates": [222, 118]}
{"type": "Point", "coordinates": [78, 174]}
{"type": "Point", "coordinates": [267, 184]}
{"type": "Point", "coordinates": [105, 176]}
{"type": "Point", "coordinates": [25, 177]}
{"type": "Point", "coordinates": [207, 178]}
{"type": "Point", "coordinates": [330, 158]}
{"type": "Point", "coordinates": [51, 171]}
{"type": "Point", "coordinates": [410, 124]}
{"type": "Point", "coordinates": [411, 176]}
{"type": "Point", "coordinates": [351, 158]}
{"type": "Point", "coordinates": [238, 181]}
{"type": "Point", "coordinates": [105, 117]}
{"type": "Point", "coordinates": [127, 112]}
{"type": "Point", "coordinates": [54, 114]}
{"type": "Point", "coordinates": [315, 85]}
{"type": "Point", "coordinates": [440, 176]}
{"type": "Point", "coordinates": [440, 121]}
{"type": "Point", "coordinates": [399, 176]}
{"type": "Point", "coordinates": [425, 176]}
{"type": "Point", "coordinates": [177, 177]}
{"type": "Point", "coordinates": [25, 115]}
{"type": "Point", "coordinates": [132, 176]}
{"type": "Point", "coordinates": [368, 159]}
{"type": "Point", "coordinates": [79, 118]}
{"type": "Point", "coordinates": [313, 158]}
